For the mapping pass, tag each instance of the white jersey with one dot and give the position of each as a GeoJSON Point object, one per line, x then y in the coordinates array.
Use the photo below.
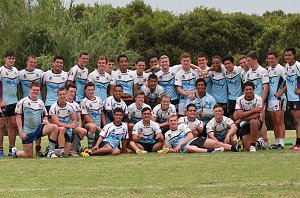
{"type": "Point", "coordinates": [32, 112]}
{"type": "Point", "coordinates": [76, 108]}
{"type": "Point", "coordinates": [259, 77]}
{"type": "Point", "coordinates": [9, 79]}
{"type": "Point", "coordinates": [162, 115]}
{"type": "Point", "coordinates": [153, 96]}
{"type": "Point", "coordinates": [127, 80]}
{"type": "Point", "coordinates": [276, 81]}
{"type": "Point", "coordinates": [243, 75]}
{"type": "Point", "coordinates": [234, 82]}
{"type": "Point", "coordinates": [192, 124]}
{"type": "Point", "coordinates": [79, 77]}
{"type": "Point", "coordinates": [141, 78]}
{"type": "Point", "coordinates": [110, 104]}
{"type": "Point", "coordinates": [220, 129]}
{"type": "Point", "coordinates": [114, 134]}
{"type": "Point", "coordinates": [27, 77]}
{"type": "Point", "coordinates": [134, 113]}
{"type": "Point", "coordinates": [102, 83]}
{"type": "Point", "coordinates": [150, 131]}
{"type": "Point", "coordinates": [93, 108]}
{"type": "Point", "coordinates": [53, 82]}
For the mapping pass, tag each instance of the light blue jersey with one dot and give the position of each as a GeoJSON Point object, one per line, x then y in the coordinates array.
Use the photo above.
{"type": "Point", "coordinates": [79, 77]}
{"type": "Point", "coordinates": [276, 81]}
{"type": "Point", "coordinates": [219, 86]}
{"type": "Point", "coordinates": [9, 79]}
{"type": "Point", "coordinates": [27, 77]}
{"type": "Point", "coordinates": [93, 108]}
{"type": "Point", "coordinates": [135, 114]}
{"type": "Point", "coordinates": [127, 80]}
{"type": "Point", "coordinates": [234, 82]}
{"type": "Point", "coordinates": [149, 131]}
{"type": "Point", "coordinates": [293, 81]}
{"type": "Point", "coordinates": [53, 82]}
{"type": "Point", "coordinates": [114, 134]}
{"type": "Point", "coordinates": [259, 77]}
{"type": "Point", "coordinates": [32, 112]}
{"type": "Point", "coordinates": [102, 83]}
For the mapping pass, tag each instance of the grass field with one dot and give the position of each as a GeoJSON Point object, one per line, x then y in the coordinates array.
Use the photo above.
{"type": "Point", "coordinates": [268, 173]}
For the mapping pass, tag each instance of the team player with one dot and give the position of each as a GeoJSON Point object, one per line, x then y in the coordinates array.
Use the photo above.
{"type": "Point", "coordinates": [185, 82]}
{"type": "Point", "coordinates": [244, 64]}
{"type": "Point", "coordinates": [52, 80]}
{"type": "Point", "coordinates": [9, 78]}
{"type": "Point", "coordinates": [101, 79]}
{"type": "Point", "coordinates": [140, 73]}
{"type": "Point", "coordinates": [135, 109]}
{"type": "Point", "coordinates": [78, 75]}
{"type": "Point", "coordinates": [276, 98]}
{"type": "Point", "coordinates": [92, 112]}
{"type": "Point", "coordinates": [293, 89]}
{"type": "Point", "coordinates": [259, 76]}
{"type": "Point", "coordinates": [31, 118]}
{"type": "Point", "coordinates": [162, 111]}
{"type": "Point", "coordinates": [126, 79]}
{"type": "Point", "coordinates": [146, 134]}
{"type": "Point", "coordinates": [110, 66]}
{"type": "Point", "coordinates": [111, 136]}
{"type": "Point", "coordinates": [153, 91]}
{"type": "Point", "coordinates": [203, 70]}
{"type": "Point", "coordinates": [190, 119]}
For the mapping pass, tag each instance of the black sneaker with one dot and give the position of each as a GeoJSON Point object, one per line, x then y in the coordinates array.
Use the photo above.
{"type": "Point", "coordinates": [63, 155]}
{"type": "Point", "coordinates": [276, 146]}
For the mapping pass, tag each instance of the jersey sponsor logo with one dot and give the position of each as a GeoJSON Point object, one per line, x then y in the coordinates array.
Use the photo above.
{"type": "Point", "coordinates": [289, 80]}
{"type": "Point", "coordinates": [11, 83]}
{"type": "Point", "coordinates": [219, 84]}
{"type": "Point", "coordinates": [271, 82]}
{"type": "Point", "coordinates": [233, 82]}
{"type": "Point", "coordinates": [53, 87]}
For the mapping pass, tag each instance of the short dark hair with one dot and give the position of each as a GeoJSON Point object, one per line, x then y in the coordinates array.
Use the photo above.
{"type": "Point", "coordinates": [30, 56]}
{"type": "Point", "coordinates": [146, 109]}
{"type": "Point", "coordinates": [152, 76]}
{"type": "Point", "coordinates": [201, 80]}
{"type": "Point", "coordinates": [70, 85]}
{"type": "Point", "coordinates": [118, 109]}
{"type": "Point", "coordinates": [139, 93]}
{"type": "Point", "coordinates": [242, 57]}
{"type": "Point", "coordinates": [140, 60]}
{"type": "Point", "coordinates": [121, 56]}
{"type": "Point", "coordinates": [228, 58]}
{"type": "Point", "coordinates": [274, 53]}
{"type": "Point", "coordinates": [201, 55]}
{"type": "Point", "coordinates": [217, 106]}
{"type": "Point", "coordinates": [111, 59]}
{"type": "Point", "coordinates": [290, 49]}
{"type": "Point", "coordinates": [190, 105]}
{"type": "Point", "coordinates": [89, 84]}
{"type": "Point", "coordinates": [58, 57]}
{"type": "Point", "coordinates": [120, 86]}
{"type": "Point", "coordinates": [61, 89]}
{"type": "Point", "coordinates": [217, 57]}
{"type": "Point", "coordinates": [248, 83]}
{"type": "Point", "coordinates": [83, 53]}
{"type": "Point", "coordinates": [34, 84]}
{"type": "Point", "coordinates": [253, 55]}
{"type": "Point", "coordinates": [9, 53]}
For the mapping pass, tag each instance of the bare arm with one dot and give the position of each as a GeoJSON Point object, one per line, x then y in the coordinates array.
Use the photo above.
{"type": "Point", "coordinates": [265, 92]}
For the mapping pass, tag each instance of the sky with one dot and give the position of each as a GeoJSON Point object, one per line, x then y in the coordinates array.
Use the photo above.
{"type": "Point", "coordinates": [183, 6]}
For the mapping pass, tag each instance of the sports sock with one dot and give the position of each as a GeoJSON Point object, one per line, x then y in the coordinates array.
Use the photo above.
{"type": "Point", "coordinates": [9, 150]}
{"type": "Point", "coordinates": [38, 148]}
{"type": "Point", "coordinates": [297, 141]}
{"type": "Point", "coordinates": [61, 150]}
{"type": "Point", "coordinates": [209, 150]}
{"type": "Point", "coordinates": [76, 141]}
{"type": "Point", "coordinates": [277, 141]}
{"type": "Point", "coordinates": [281, 141]}
{"type": "Point", "coordinates": [52, 144]}
{"type": "Point", "coordinates": [91, 139]}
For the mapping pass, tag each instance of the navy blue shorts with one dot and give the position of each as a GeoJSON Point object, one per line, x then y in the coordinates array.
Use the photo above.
{"type": "Point", "coordinates": [37, 134]}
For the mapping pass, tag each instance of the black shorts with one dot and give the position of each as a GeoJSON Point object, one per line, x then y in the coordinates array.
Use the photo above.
{"type": "Point", "coordinates": [147, 146]}
{"type": "Point", "coordinates": [103, 143]}
{"type": "Point", "coordinates": [8, 110]}
{"type": "Point", "coordinates": [231, 107]}
{"type": "Point", "coordinates": [68, 138]}
{"type": "Point", "coordinates": [37, 134]}
{"type": "Point", "coordinates": [293, 105]}
{"type": "Point", "coordinates": [199, 141]}
{"type": "Point", "coordinates": [245, 129]}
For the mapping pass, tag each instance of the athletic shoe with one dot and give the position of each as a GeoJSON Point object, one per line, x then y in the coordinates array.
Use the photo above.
{"type": "Point", "coordinates": [252, 149]}
{"type": "Point", "coordinates": [297, 148]}
{"type": "Point", "coordinates": [163, 151]}
{"type": "Point", "coordinates": [14, 151]}
{"type": "Point", "coordinates": [10, 154]}
{"type": "Point", "coordinates": [140, 152]}
{"type": "Point", "coordinates": [221, 149]}
{"type": "Point", "coordinates": [1, 154]}
{"type": "Point", "coordinates": [73, 154]}
{"type": "Point", "coordinates": [262, 144]}
{"type": "Point", "coordinates": [63, 155]}
{"type": "Point", "coordinates": [51, 155]}
{"type": "Point", "coordinates": [239, 144]}
{"type": "Point", "coordinates": [276, 146]}
{"type": "Point", "coordinates": [39, 153]}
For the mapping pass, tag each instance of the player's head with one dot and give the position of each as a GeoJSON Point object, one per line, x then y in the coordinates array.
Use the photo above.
{"type": "Point", "coordinates": [146, 113]}
{"type": "Point", "coordinates": [173, 121]}
{"type": "Point", "coordinates": [83, 59]}
{"type": "Point", "coordinates": [153, 61]}
{"type": "Point", "coordinates": [101, 64]}
{"type": "Point", "coordinates": [243, 62]}
{"type": "Point", "coordinates": [202, 60]}
{"type": "Point", "coordinates": [290, 55]}
{"type": "Point", "coordinates": [248, 88]}
{"type": "Point", "coordinates": [31, 62]}
{"type": "Point", "coordinates": [201, 85]}
{"type": "Point", "coordinates": [165, 101]}
{"type": "Point", "coordinates": [117, 91]}
{"type": "Point", "coordinates": [218, 111]}
{"type": "Point", "coordinates": [71, 91]}
{"type": "Point", "coordinates": [152, 81]}
{"type": "Point", "coordinates": [228, 62]}
{"type": "Point", "coordinates": [164, 62]}
{"type": "Point", "coordinates": [89, 90]}
{"type": "Point", "coordinates": [123, 61]}
{"type": "Point", "coordinates": [191, 110]}
{"type": "Point", "coordinates": [252, 59]}
{"type": "Point", "coordinates": [140, 65]}
{"type": "Point", "coordinates": [139, 97]}
{"type": "Point", "coordinates": [58, 63]}
{"type": "Point", "coordinates": [118, 115]}
{"type": "Point", "coordinates": [217, 62]}
{"type": "Point", "coordinates": [272, 58]}
{"type": "Point", "coordinates": [34, 90]}
{"type": "Point", "coordinates": [186, 60]}
{"type": "Point", "coordinates": [9, 58]}
{"type": "Point", "coordinates": [61, 94]}
{"type": "Point", "coordinates": [110, 65]}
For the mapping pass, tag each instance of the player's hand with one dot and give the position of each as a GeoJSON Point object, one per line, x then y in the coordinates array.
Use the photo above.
{"type": "Point", "coordinates": [141, 135]}
{"type": "Point", "coordinates": [22, 135]}
{"type": "Point", "coordinates": [297, 91]}
{"type": "Point", "coordinates": [72, 125]}
{"type": "Point", "coordinates": [159, 137]}
{"type": "Point", "coordinates": [200, 114]}
{"type": "Point", "coordinates": [45, 122]}
{"type": "Point", "coordinates": [258, 109]}
{"type": "Point", "coordinates": [172, 150]}
{"type": "Point", "coordinates": [277, 94]}
{"type": "Point", "coordinates": [177, 148]}
{"type": "Point", "coordinates": [191, 95]}
{"type": "Point", "coordinates": [226, 141]}
{"type": "Point", "coordinates": [237, 122]}
{"type": "Point", "coordinates": [95, 148]}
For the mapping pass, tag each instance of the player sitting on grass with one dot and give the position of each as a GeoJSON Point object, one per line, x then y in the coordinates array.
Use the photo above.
{"type": "Point", "coordinates": [135, 109]}
{"type": "Point", "coordinates": [146, 134]}
{"type": "Point", "coordinates": [31, 117]}
{"type": "Point", "coordinates": [190, 119]}
{"type": "Point", "coordinates": [180, 139]}
{"type": "Point", "coordinates": [111, 135]}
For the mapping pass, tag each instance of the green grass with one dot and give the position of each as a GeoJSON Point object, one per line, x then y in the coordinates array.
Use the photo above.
{"type": "Point", "coordinates": [266, 173]}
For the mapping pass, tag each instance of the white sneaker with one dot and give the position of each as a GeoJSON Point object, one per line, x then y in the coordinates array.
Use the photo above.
{"type": "Point", "coordinates": [262, 143]}
{"type": "Point", "coordinates": [51, 155]}
{"type": "Point", "coordinates": [252, 149]}
{"type": "Point", "coordinates": [140, 152]}
{"type": "Point", "coordinates": [14, 151]}
{"type": "Point", "coordinates": [221, 149]}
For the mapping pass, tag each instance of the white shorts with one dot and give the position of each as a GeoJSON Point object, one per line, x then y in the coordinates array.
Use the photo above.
{"type": "Point", "coordinates": [276, 105]}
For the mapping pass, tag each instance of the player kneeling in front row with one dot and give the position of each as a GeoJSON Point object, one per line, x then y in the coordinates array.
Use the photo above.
{"type": "Point", "coordinates": [180, 139]}
{"type": "Point", "coordinates": [111, 135]}
{"type": "Point", "coordinates": [146, 135]}
{"type": "Point", "coordinates": [31, 117]}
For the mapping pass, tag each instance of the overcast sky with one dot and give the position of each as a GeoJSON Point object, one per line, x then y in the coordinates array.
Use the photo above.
{"type": "Point", "coordinates": [182, 6]}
